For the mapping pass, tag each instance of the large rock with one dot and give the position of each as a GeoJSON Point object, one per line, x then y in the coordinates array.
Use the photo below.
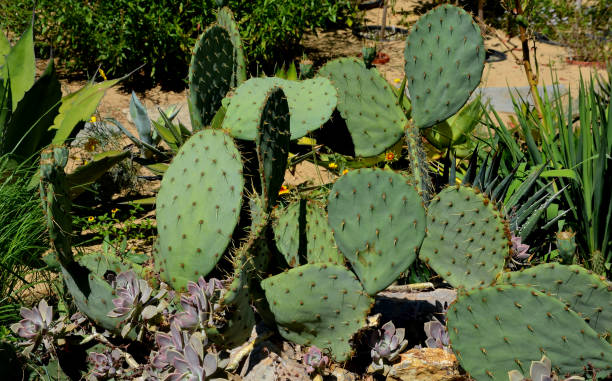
{"type": "Point", "coordinates": [426, 364]}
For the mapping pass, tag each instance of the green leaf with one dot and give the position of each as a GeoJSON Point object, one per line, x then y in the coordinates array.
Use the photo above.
{"type": "Point", "coordinates": [87, 174]}
{"type": "Point", "coordinates": [78, 107]}
{"type": "Point", "coordinates": [568, 173]}
{"type": "Point", "coordinates": [27, 131]}
{"type": "Point", "coordinates": [20, 66]}
{"type": "Point", "coordinates": [5, 48]}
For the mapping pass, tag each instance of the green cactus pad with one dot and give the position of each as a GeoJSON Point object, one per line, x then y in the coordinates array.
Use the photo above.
{"type": "Point", "coordinates": [419, 168]}
{"type": "Point", "coordinates": [311, 103]}
{"type": "Point", "coordinates": [444, 60]}
{"type": "Point", "coordinates": [210, 75]}
{"type": "Point", "coordinates": [467, 240]}
{"type": "Point", "coordinates": [100, 264]}
{"type": "Point", "coordinates": [318, 304]}
{"type": "Point", "coordinates": [497, 329]}
{"type": "Point", "coordinates": [225, 18]}
{"type": "Point", "coordinates": [378, 220]}
{"type": "Point", "coordinates": [287, 227]}
{"type": "Point", "coordinates": [320, 243]}
{"type": "Point", "coordinates": [584, 292]}
{"type": "Point", "coordinates": [92, 295]}
{"type": "Point", "coordinates": [301, 229]}
{"type": "Point", "coordinates": [368, 105]}
{"type": "Point", "coordinates": [198, 206]}
{"type": "Point", "coordinates": [272, 142]}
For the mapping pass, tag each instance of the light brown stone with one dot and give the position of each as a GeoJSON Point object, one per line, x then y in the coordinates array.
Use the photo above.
{"type": "Point", "coordinates": [426, 364]}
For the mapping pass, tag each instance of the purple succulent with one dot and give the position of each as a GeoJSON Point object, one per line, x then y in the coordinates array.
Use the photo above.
{"type": "Point", "coordinates": [519, 249]}
{"type": "Point", "coordinates": [192, 363]}
{"type": "Point", "coordinates": [134, 301]}
{"type": "Point", "coordinates": [388, 343]}
{"type": "Point", "coordinates": [106, 365]}
{"type": "Point", "coordinates": [437, 337]}
{"type": "Point", "coordinates": [175, 340]}
{"type": "Point", "coordinates": [36, 321]}
{"type": "Point", "coordinates": [314, 360]}
{"type": "Point", "coordinates": [200, 304]}
{"type": "Point", "coordinates": [540, 371]}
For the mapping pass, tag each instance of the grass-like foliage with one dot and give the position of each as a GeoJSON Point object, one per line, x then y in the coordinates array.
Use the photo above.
{"type": "Point", "coordinates": [22, 236]}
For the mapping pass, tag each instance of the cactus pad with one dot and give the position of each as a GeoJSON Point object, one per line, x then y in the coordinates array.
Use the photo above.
{"type": "Point", "coordinates": [318, 304]}
{"type": "Point", "coordinates": [210, 74]}
{"type": "Point", "coordinates": [444, 60]}
{"type": "Point", "coordinates": [273, 145]}
{"type": "Point", "coordinates": [311, 103]}
{"type": "Point", "coordinates": [581, 290]}
{"type": "Point", "coordinates": [497, 329]}
{"type": "Point", "coordinates": [288, 227]}
{"type": "Point", "coordinates": [467, 240]}
{"type": "Point", "coordinates": [320, 243]}
{"type": "Point", "coordinates": [225, 18]}
{"type": "Point", "coordinates": [198, 206]}
{"type": "Point", "coordinates": [368, 105]}
{"type": "Point", "coordinates": [378, 220]}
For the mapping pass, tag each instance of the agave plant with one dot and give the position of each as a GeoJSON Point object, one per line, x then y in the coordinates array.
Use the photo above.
{"type": "Point", "coordinates": [540, 371]}
{"type": "Point", "coordinates": [200, 305]}
{"type": "Point", "coordinates": [388, 343]}
{"type": "Point", "coordinates": [106, 365]}
{"type": "Point", "coordinates": [315, 360]}
{"type": "Point", "coordinates": [134, 301]}
{"type": "Point", "coordinates": [437, 337]}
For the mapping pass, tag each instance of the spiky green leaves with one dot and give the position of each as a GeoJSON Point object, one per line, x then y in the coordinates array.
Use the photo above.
{"type": "Point", "coordinates": [198, 206]}
{"type": "Point", "coordinates": [378, 221]}
{"type": "Point", "coordinates": [581, 290]}
{"type": "Point", "coordinates": [366, 102]}
{"type": "Point", "coordinates": [318, 304]}
{"type": "Point", "coordinates": [467, 239]}
{"type": "Point", "coordinates": [311, 103]}
{"type": "Point", "coordinates": [211, 72]}
{"type": "Point", "coordinates": [497, 329]}
{"type": "Point", "coordinates": [272, 142]}
{"type": "Point", "coordinates": [444, 62]}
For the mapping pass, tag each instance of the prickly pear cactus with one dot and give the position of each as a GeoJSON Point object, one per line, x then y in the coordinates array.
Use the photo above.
{"type": "Point", "coordinates": [494, 330]}
{"type": "Point", "coordinates": [378, 220]}
{"type": "Point", "coordinates": [366, 102]}
{"type": "Point", "coordinates": [211, 73]}
{"type": "Point", "coordinates": [418, 163]}
{"type": "Point", "coordinates": [584, 292]}
{"type": "Point", "coordinates": [320, 243]}
{"type": "Point", "coordinates": [225, 18]}
{"type": "Point", "coordinates": [467, 239]}
{"type": "Point", "coordinates": [198, 206]}
{"type": "Point", "coordinates": [311, 103]}
{"type": "Point", "coordinates": [272, 142]}
{"type": "Point", "coordinates": [56, 203]}
{"type": "Point", "coordinates": [318, 304]}
{"type": "Point", "coordinates": [444, 58]}
{"type": "Point", "coordinates": [301, 230]}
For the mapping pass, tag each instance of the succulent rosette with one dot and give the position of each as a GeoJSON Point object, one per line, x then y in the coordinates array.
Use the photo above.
{"type": "Point", "coordinates": [315, 360]}
{"type": "Point", "coordinates": [437, 337]}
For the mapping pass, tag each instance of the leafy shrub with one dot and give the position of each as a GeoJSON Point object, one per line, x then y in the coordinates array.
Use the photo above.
{"type": "Point", "coordinates": [122, 35]}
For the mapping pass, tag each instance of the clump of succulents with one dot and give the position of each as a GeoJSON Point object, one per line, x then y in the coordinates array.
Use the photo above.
{"type": "Point", "coordinates": [37, 326]}
{"type": "Point", "coordinates": [106, 365]}
{"type": "Point", "coordinates": [135, 302]}
{"type": "Point", "coordinates": [200, 305]}
{"type": "Point", "coordinates": [388, 343]}
{"type": "Point", "coordinates": [315, 361]}
{"type": "Point", "coordinates": [540, 371]}
{"type": "Point", "coordinates": [182, 355]}
{"type": "Point", "coordinates": [437, 337]}
{"type": "Point", "coordinates": [520, 251]}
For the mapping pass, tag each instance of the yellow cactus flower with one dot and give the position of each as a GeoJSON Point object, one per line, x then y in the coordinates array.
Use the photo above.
{"type": "Point", "coordinates": [93, 119]}
{"type": "Point", "coordinates": [397, 80]}
{"type": "Point", "coordinates": [102, 74]}
{"type": "Point", "coordinates": [91, 219]}
{"type": "Point", "coordinates": [389, 156]}
{"type": "Point", "coordinates": [283, 190]}
{"type": "Point", "coordinates": [332, 165]}
{"type": "Point", "coordinates": [345, 172]}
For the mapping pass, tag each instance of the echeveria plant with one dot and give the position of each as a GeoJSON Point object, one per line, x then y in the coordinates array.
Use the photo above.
{"type": "Point", "coordinates": [315, 360]}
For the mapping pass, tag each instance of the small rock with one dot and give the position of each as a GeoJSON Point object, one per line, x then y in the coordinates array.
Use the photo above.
{"type": "Point", "coordinates": [426, 364]}
{"type": "Point", "coordinates": [275, 368]}
{"type": "Point", "coordinates": [342, 375]}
